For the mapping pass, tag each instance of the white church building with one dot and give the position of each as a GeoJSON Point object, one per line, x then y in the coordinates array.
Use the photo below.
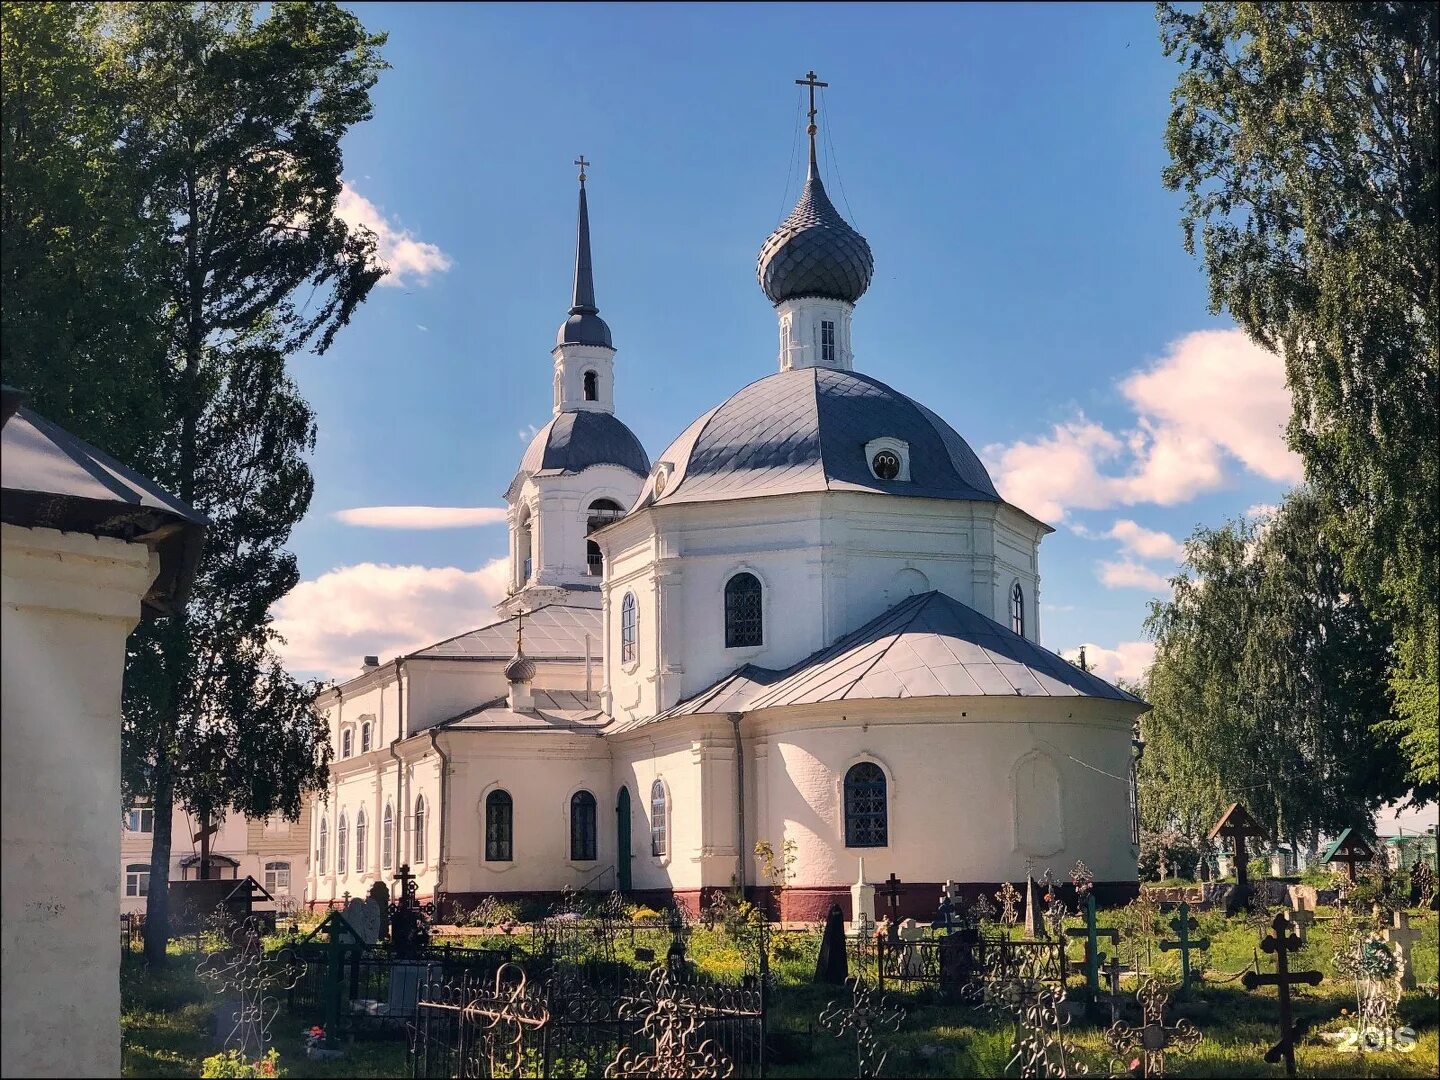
{"type": "Point", "coordinates": [811, 618]}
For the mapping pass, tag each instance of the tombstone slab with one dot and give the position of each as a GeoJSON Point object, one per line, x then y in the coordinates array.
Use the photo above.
{"type": "Point", "coordinates": [862, 902]}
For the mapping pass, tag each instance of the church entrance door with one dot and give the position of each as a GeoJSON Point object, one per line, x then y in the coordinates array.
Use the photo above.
{"type": "Point", "coordinates": [622, 840]}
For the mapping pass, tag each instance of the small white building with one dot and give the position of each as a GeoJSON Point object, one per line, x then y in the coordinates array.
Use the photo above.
{"type": "Point", "coordinates": [815, 621]}
{"type": "Point", "coordinates": [89, 548]}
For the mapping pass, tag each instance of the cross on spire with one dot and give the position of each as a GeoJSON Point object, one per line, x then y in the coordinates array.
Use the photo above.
{"type": "Point", "coordinates": [583, 166]}
{"type": "Point", "coordinates": [812, 82]}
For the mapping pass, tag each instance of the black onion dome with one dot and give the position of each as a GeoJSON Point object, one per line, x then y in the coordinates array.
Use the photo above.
{"type": "Point", "coordinates": [520, 669]}
{"type": "Point", "coordinates": [815, 252]}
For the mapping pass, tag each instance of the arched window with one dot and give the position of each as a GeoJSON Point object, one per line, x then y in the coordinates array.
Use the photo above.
{"type": "Point", "coordinates": [659, 821]}
{"type": "Point", "coordinates": [629, 628]}
{"type": "Point", "coordinates": [365, 737]}
{"type": "Point", "coordinates": [418, 854]}
{"type": "Point", "coordinates": [346, 742]}
{"type": "Point", "coordinates": [744, 619]}
{"type": "Point", "coordinates": [582, 827]}
{"type": "Point", "coordinates": [499, 826]}
{"type": "Point", "coordinates": [137, 879]}
{"type": "Point", "coordinates": [592, 386]}
{"type": "Point", "coordinates": [323, 847]}
{"type": "Point", "coordinates": [524, 554]}
{"type": "Point", "coordinates": [277, 878]}
{"type": "Point", "coordinates": [342, 838]}
{"type": "Point", "coordinates": [360, 832]}
{"type": "Point", "coordinates": [867, 815]}
{"type": "Point", "coordinates": [1017, 609]}
{"type": "Point", "coordinates": [387, 838]}
{"type": "Point", "coordinates": [600, 514]}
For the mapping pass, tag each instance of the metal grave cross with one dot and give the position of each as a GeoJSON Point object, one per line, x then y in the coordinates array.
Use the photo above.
{"type": "Point", "coordinates": [1282, 943]}
{"type": "Point", "coordinates": [1152, 1038]}
{"type": "Point", "coordinates": [1094, 958]}
{"type": "Point", "coordinates": [1183, 924]}
{"type": "Point", "coordinates": [1008, 896]}
{"type": "Point", "coordinates": [891, 892]}
{"type": "Point", "coordinates": [1402, 935]}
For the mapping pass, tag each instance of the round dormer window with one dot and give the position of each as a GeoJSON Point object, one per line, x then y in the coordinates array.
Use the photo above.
{"type": "Point", "coordinates": [660, 483]}
{"type": "Point", "coordinates": [886, 464]}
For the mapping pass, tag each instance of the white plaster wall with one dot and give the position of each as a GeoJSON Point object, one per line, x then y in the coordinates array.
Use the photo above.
{"type": "Point", "coordinates": [950, 767]}
{"type": "Point", "coordinates": [540, 771]}
{"type": "Point", "coordinates": [559, 510]}
{"type": "Point", "coordinates": [68, 603]}
{"type": "Point", "coordinates": [571, 363]}
{"type": "Point", "coordinates": [828, 562]}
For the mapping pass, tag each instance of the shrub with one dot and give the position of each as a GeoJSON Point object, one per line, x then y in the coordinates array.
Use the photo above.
{"type": "Point", "coordinates": [231, 1063]}
{"type": "Point", "coordinates": [1166, 854]}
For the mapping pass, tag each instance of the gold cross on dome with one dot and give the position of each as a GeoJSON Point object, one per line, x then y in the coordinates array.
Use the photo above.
{"type": "Point", "coordinates": [812, 82]}
{"type": "Point", "coordinates": [583, 166]}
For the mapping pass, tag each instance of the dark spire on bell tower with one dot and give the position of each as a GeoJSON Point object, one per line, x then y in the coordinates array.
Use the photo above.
{"type": "Point", "coordinates": [584, 326]}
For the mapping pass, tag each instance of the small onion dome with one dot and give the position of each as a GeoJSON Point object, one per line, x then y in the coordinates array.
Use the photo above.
{"type": "Point", "coordinates": [815, 252]}
{"type": "Point", "coordinates": [520, 669]}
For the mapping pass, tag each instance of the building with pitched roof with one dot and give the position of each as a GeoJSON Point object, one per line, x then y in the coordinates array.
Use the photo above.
{"type": "Point", "coordinates": [811, 621]}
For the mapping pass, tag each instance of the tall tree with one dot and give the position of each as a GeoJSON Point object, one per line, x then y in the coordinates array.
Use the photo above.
{"type": "Point", "coordinates": [1268, 678]}
{"type": "Point", "coordinates": [206, 142]}
{"type": "Point", "coordinates": [82, 319]}
{"type": "Point", "coordinates": [1304, 137]}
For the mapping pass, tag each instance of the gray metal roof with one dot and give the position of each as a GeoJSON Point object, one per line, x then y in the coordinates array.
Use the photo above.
{"type": "Point", "coordinates": [565, 711]}
{"type": "Point", "coordinates": [53, 480]}
{"type": "Point", "coordinates": [553, 632]}
{"type": "Point", "coordinates": [815, 252]}
{"type": "Point", "coordinates": [806, 430]}
{"type": "Point", "coordinates": [574, 441]}
{"type": "Point", "coordinates": [929, 645]}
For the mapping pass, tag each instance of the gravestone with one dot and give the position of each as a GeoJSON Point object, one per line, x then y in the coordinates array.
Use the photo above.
{"type": "Point", "coordinates": [1034, 912]}
{"type": "Point", "coordinates": [365, 918]}
{"type": "Point", "coordinates": [831, 965]}
{"type": "Point", "coordinates": [862, 903]}
{"type": "Point", "coordinates": [406, 977]}
{"type": "Point", "coordinates": [1303, 897]}
{"type": "Point", "coordinates": [910, 930]}
{"type": "Point", "coordinates": [1237, 826]}
{"type": "Point", "coordinates": [1402, 935]}
{"type": "Point", "coordinates": [379, 895]}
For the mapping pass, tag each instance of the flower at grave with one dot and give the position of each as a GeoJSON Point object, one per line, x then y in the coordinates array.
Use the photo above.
{"type": "Point", "coordinates": [1377, 959]}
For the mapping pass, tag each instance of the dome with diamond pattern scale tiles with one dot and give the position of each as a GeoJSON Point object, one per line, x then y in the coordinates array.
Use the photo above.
{"type": "Point", "coordinates": [815, 252]}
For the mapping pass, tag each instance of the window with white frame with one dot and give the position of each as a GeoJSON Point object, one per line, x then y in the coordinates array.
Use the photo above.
{"type": "Point", "coordinates": [277, 878]}
{"type": "Point", "coordinates": [347, 742]}
{"type": "Point", "coordinates": [387, 838]}
{"type": "Point", "coordinates": [1017, 609]}
{"type": "Point", "coordinates": [582, 827]}
{"type": "Point", "coordinates": [659, 821]}
{"type": "Point", "coordinates": [499, 827]}
{"type": "Point", "coordinates": [342, 840]}
{"type": "Point", "coordinates": [365, 737]}
{"type": "Point", "coordinates": [137, 879]}
{"type": "Point", "coordinates": [141, 820]}
{"type": "Point", "coordinates": [744, 621]}
{"type": "Point", "coordinates": [360, 838]}
{"type": "Point", "coordinates": [418, 846]}
{"type": "Point", "coordinates": [827, 341]}
{"type": "Point", "coordinates": [322, 847]}
{"type": "Point", "coordinates": [867, 810]}
{"type": "Point", "coordinates": [629, 628]}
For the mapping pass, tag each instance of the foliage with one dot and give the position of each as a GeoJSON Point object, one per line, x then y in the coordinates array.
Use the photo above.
{"type": "Point", "coordinates": [232, 1063]}
{"type": "Point", "coordinates": [1267, 679]}
{"type": "Point", "coordinates": [218, 135]}
{"type": "Point", "coordinates": [1304, 138]}
{"type": "Point", "coordinates": [491, 911]}
{"type": "Point", "coordinates": [82, 319]}
{"type": "Point", "coordinates": [1167, 853]}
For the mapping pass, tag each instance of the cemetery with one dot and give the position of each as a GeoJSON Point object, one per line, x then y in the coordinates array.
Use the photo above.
{"type": "Point", "coordinates": [994, 986]}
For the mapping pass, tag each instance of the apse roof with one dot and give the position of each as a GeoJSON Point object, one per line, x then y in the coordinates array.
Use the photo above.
{"type": "Point", "coordinates": [807, 430]}
{"type": "Point", "coordinates": [929, 645]}
{"type": "Point", "coordinates": [574, 441]}
{"type": "Point", "coordinates": [54, 480]}
{"type": "Point", "coordinates": [553, 632]}
{"type": "Point", "coordinates": [564, 711]}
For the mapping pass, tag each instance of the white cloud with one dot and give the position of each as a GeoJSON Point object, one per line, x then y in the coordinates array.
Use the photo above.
{"type": "Point", "coordinates": [1128, 660]}
{"type": "Point", "coordinates": [332, 622]}
{"type": "Point", "coordinates": [1214, 398]}
{"type": "Point", "coordinates": [1145, 543]}
{"type": "Point", "coordinates": [1127, 574]}
{"type": "Point", "coordinates": [527, 433]}
{"type": "Point", "coordinates": [421, 517]}
{"type": "Point", "coordinates": [404, 256]}
{"type": "Point", "coordinates": [422, 328]}
{"type": "Point", "coordinates": [1261, 510]}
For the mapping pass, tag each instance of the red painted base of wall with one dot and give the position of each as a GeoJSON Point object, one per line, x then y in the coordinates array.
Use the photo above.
{"type": "Point", "coordinates": [919, 900]}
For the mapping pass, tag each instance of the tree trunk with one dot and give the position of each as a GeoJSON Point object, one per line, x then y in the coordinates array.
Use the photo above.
{"type": "Point", "coordinates": [157, 903]}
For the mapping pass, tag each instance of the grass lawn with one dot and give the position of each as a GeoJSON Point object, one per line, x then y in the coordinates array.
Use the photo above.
{"type": "Point", "coordinates": [166, 1018]}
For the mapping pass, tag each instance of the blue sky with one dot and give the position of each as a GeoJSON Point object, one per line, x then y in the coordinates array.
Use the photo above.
{"type": "Point", "coordinates": [1004, 162]}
